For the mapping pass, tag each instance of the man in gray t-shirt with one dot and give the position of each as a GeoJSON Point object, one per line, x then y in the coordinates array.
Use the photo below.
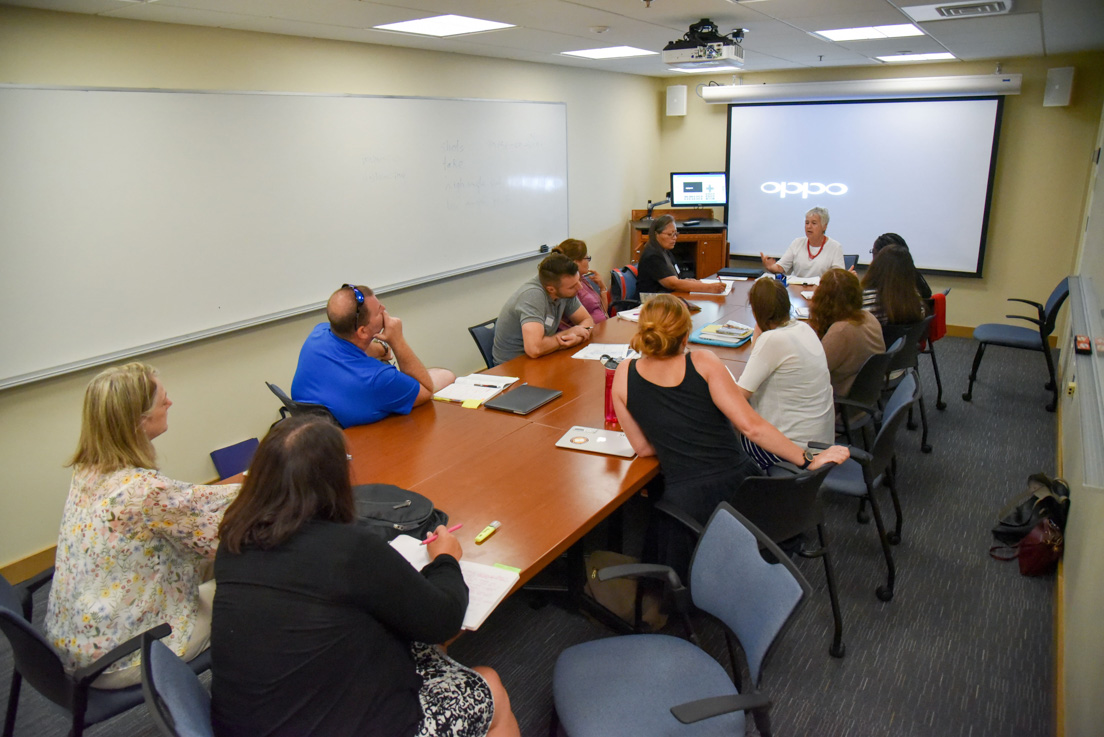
{"type": "Point", "coordinates": [530, 319]}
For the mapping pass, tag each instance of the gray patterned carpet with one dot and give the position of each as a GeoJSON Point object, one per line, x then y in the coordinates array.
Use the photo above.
{"type": "Point", "coordinates": [965, 648]}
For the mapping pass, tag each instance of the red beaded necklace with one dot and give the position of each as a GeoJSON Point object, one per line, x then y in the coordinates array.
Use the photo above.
{"type": "Point", "coordinates": [809, 247]}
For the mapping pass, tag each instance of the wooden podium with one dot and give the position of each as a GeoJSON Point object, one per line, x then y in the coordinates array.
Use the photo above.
{"type": "Point", "coordinates": [704, 245]}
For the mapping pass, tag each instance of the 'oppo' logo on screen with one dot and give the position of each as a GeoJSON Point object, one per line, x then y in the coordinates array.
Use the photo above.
{"type": "Point", "coordinates": [802, 188]}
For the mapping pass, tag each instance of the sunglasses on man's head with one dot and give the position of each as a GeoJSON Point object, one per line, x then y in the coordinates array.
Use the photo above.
{"type": "Point", "coordinates": [358, 295]}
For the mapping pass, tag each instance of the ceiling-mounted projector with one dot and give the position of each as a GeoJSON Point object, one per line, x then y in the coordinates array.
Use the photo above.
{"type": "Point", "coordinates": [703, 48]}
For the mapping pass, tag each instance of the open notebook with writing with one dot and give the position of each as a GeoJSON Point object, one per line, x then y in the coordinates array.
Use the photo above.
{"type": "Point", "coordinates": [487, 585]}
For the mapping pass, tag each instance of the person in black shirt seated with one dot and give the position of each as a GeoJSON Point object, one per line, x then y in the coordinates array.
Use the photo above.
{"type": "Point", "coordinates": [319, 626]}
{"type": "Point", "coordinates": [656, 270]}
{"type": "Point", "coordinates": [892, 239]}
{"type": "Point", "coordinates": [685, 409]}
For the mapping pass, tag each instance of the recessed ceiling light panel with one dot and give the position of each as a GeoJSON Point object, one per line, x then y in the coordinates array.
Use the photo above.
{"type": "Point", "coordinates": [866, 33]}
{"type": "Point", "coordinates": [611, 52]}
{"type": "Point", "coordinates": [942, 56]}
{"type": "Point", "coordinates": [444, 25]}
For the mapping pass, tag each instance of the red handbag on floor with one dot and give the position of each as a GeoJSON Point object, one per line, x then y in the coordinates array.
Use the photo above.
{"type": "Point", "coordinates": [1038, 552]}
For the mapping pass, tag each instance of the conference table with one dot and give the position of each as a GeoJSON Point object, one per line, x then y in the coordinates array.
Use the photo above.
{"type": "Point", "coordinates": [480, 465]}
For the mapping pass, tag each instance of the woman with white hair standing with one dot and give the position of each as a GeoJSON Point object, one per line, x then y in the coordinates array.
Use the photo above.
{"type": "Point", "coordinates": [810, 255]}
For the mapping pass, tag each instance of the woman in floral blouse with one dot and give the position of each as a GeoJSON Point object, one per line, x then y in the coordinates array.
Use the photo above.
{"type": "Point", "coordinates": [134, 546]}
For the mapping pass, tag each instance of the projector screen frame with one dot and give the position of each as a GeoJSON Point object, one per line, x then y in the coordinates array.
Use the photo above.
{"type": "Point", "coordinates": [998, 117]}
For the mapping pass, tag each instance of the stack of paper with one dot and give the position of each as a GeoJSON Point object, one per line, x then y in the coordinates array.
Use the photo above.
{"type": "Point", "coordinates": [617, 351]}
{"type": "Point", "coordinates": [487, 585]}
{"type": "Point", "coordinates": [476, 388]}
{"type": "Point", "coordinates": [726, 282]}
{"type": "Point", "coordinates": [732, 332]}
{"type": "Point", "coordinates": [632, 315]}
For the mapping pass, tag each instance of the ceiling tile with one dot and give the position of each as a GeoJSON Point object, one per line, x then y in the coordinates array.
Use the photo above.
{"type": "Point", "coordinates": [991, 37]}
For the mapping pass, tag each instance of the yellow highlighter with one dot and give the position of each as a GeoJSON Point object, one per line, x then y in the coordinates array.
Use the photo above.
{"type": "Point", "coordinates": [487, 532]}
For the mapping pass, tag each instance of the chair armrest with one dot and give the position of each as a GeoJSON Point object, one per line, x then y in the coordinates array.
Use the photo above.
{"type": "Point", "coordinates": [857, 454]}
{"type": "Point", "coordinates": [1036, 305]}
{"type": "Point", "coordinates": [869, 409]}
{"type": "Point", "coordinates": [84, 676]}
{"type": "Point", "coordinates": [680, 516]}
{"type": "Point", "coordinates": [695, 711]}
{"type": "Point", "coordinates": [31, 585]}
{"type": "Point", "coordinates": [34, 583]}
{"type": "Point", "coordinates": [640, 570]}
{"type": "Point", "coordinates": [1025, 317]}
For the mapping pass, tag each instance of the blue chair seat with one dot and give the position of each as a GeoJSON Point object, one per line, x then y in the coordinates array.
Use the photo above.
{"type": "Point", "coordinates": [847, 479]}
{"type": "Point", "coordinates": [1012, 336]}
{"type": "Point", "coordinates": [627, 686]}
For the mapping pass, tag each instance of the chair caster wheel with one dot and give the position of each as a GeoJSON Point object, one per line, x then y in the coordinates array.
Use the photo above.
{"type": "Point", "coordinates": [885, 593]}
{"type": "Point", "coordinates": [1051, 407]}
{"type": "Point", "coordinates": [941, 406]}
{"type": "Point", "coordinates": [911, 425]}
{"type": "Point", "coordinates": [837, 651]}
{"type": "Point", "coordinates": [966, 397]}
{"type": "Point", "coordinates": [925, 448]}
{"type": "Point", "coordinates": [862, 518]}
{"type": "Point", "coordinates": [893, 538]}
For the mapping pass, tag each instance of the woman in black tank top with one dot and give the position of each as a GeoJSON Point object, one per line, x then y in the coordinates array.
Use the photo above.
{"type": "Point", "coordinates": [686, 409]}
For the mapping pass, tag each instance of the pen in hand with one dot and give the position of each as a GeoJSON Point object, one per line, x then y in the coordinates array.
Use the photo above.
{"type": "Point", "coordinates": [434, 536]}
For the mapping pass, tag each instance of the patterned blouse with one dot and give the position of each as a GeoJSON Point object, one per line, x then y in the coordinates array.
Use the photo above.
{"type": "Point", "coordinates": [132, 551]}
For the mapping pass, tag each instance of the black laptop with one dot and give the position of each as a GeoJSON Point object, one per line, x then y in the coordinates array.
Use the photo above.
{"type": "Point", "coordinates": [522, 400]}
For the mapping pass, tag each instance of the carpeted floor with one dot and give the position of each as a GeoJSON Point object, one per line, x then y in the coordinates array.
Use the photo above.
{"type": "Point", "coordinates": [965, 647]}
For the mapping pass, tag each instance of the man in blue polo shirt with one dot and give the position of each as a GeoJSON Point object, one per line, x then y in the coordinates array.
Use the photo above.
{"type": "Point", "coordinates": [340, 364]}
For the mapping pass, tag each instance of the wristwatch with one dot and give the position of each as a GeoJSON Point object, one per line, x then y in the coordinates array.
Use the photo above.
{"type": "Point", "coordinates": [809, 456]}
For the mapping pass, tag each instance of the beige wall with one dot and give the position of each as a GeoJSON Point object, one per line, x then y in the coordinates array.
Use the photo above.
{"type": "Point", "coordinates": [1042, 171]}
{"type": "Point", "coordinates": [217, 385]}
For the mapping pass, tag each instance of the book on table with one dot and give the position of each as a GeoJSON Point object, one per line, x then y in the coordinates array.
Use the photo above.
{"type": "Point", "coordinates": [731, 331]}
{"type": "Point", "coordinates": [474, 388]}
{"type": "Point", "coordinates": [487, 585]}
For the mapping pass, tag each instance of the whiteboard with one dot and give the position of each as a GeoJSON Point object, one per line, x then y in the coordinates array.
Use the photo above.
{"type": "Point", "coordinates": [131, 220]}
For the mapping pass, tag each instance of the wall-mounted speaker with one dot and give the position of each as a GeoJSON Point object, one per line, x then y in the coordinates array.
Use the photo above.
{"type": "Point", "coordinates": [676, 100]}
{"type": "Point", "coordinates": [1059, 87]}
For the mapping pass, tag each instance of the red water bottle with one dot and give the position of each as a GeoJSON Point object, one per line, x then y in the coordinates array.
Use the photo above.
{"type": "Point", "coordinates": [611, 369]}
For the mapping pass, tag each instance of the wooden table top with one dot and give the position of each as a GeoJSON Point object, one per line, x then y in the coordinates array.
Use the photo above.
{"type": "Point", "coordinates": [480, 465]}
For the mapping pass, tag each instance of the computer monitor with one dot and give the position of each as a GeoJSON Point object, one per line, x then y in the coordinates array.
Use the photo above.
{"type": "Point", "coordinates": [698, 189]}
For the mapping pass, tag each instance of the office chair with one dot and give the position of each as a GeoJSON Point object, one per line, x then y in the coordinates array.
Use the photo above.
{"type": "Point", "coordinates": [233, 459]}
{"type": "Point", "coordinates": [849, 260]}
{"type": "Point", "coordinates": [177, 701]}
{"type": "Point", "coordinates": [937, 308]}
{"type": "Point", "coordinates": [858, 409]}
{"type": "Point", "coordinates": [484, 334]}
{"type": "Point", "coordinates": [861, 475]}
{"type": "Point", "coordinates": [658, 684]}
{"type": "Point", "coordinates": [909, 358]}
{"type": "Point", "coordinates": [785, 506]}
{"type": "Point", "coordinates": [1015, 336]}
{"type": "Point", "coordinates": [291, 407]}
{"type": "Point", "coordinates": [623, 291]}
{"type": "Point", "coordinates": [36, 661]}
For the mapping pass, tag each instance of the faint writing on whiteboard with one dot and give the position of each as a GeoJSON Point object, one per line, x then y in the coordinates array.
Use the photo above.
{"type": "Point", "coordinates": [542, 184]}
{"type": "Point", "coordinates": [529, 143]}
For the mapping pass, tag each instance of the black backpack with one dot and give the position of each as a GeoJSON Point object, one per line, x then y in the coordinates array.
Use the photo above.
{"type": "Point", "coordinates": [390, 511]}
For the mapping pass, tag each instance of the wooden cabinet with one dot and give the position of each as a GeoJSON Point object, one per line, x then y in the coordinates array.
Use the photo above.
{"type": "Point", "coordinates": [703, 246]}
